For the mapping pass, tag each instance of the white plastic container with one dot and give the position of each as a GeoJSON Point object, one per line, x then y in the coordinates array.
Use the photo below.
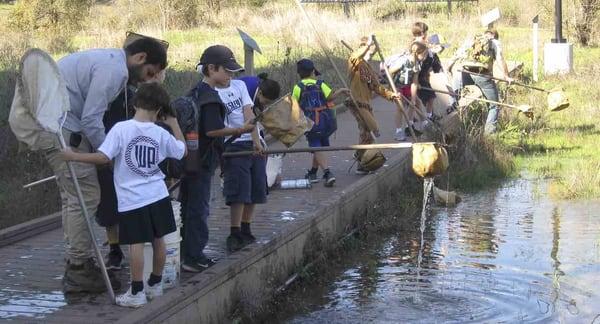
{"type": "Point", "coordinates": [171, 271]}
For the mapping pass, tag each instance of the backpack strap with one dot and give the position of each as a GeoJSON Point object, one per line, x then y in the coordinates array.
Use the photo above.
{"type": "Point", "coordinates": [301, 86]}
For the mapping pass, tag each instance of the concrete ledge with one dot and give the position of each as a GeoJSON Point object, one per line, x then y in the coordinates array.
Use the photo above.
{"type": "Point", "coordinates": [249, 278]}
{"type": "Point", "coordinates": [28, 229]}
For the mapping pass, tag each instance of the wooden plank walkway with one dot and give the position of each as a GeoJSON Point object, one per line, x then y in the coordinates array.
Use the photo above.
{"type": "Point", "coordinates": [32, 269]}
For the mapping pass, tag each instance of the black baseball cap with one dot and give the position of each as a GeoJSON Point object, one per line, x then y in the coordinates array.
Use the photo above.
{"type": "Point", "coordinates": [307, 66]}
{"type": "Point", "coordinates": [219, 54]}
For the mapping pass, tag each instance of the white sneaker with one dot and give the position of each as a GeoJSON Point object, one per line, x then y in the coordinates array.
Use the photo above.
{"type": "Point", "coordinates": [129, 300]}
{"type": "Point", "coordinates": [154, 291]}
{"type": "Point", "coordinates": [400, 135]}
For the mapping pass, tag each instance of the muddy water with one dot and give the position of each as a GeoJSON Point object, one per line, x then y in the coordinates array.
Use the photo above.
{"type": "Point", "coordinates": [504, 255]}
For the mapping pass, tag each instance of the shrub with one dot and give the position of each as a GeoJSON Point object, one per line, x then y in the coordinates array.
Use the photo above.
{"type": "Point", "coordinates": [586, 20]}
{"type": "Point", "coordinates": [45, 15]}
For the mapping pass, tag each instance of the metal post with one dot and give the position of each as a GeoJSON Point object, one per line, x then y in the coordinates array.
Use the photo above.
{"type": "Point", "coordinates": [558, 22]}
{"type": "Point", "coordinates": [346, 5]}
{"type": "Point", "coordinates": [248, 60]}
{"type": "Point", "coordinates": [535, 47]}
{"type": "Point", "coordinates": [250, 46]}
{"type": "Point", "coordinates": [99, 258]}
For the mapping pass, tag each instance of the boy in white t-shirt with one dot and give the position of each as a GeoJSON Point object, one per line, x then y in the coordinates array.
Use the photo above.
{"type": "Point", "coordinates": [137, 146]}
{"type": "Point", "coordinates": [245, 178]}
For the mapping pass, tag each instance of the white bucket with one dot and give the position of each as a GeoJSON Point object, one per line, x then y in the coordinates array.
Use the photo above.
{"type": "Point", "coordinates": [274, 168]}
{"type": "Point", "coordinates": [171, 271]}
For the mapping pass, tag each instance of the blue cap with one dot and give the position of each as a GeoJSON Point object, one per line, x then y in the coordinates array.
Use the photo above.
{"type": "Point", "coordinates": [306, 65]}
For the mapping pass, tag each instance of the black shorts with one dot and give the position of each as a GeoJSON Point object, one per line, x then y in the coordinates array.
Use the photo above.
{"type": "Point", "coordinates": [147, 223]}
{"type": "Point", "coordinates": [425, 95]}
{"type": "Point", "coordinates": [245, 178]}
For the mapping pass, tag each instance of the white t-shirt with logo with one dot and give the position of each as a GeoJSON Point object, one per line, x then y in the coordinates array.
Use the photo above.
{"type": "Point", "coordinates": [235, 97]}
{"type": "Point", "coordinates": [138, 148]}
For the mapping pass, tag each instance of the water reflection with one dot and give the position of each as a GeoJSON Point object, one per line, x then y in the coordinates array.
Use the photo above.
{"type": "Point", "coordinates": [505, 255]}
{"type": "Point", "coordinates": [17, 303]}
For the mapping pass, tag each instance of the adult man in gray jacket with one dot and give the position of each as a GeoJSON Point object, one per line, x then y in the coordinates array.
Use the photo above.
{"type": "Point", "coordinates": [94, 78]}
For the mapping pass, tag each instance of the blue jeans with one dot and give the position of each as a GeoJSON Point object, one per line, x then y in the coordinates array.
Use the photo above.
{"type": "Point", "coordinates": [195, 199]}
{"type": "Point", "coordinates": [490, 92]}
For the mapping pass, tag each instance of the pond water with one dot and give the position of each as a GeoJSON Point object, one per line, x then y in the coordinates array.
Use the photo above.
{"type": "Point", "coordinates": [508, 254]}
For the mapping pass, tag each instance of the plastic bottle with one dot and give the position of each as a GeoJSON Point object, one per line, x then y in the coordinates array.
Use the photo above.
{"type": "Point", "coordinates": [296, 184]}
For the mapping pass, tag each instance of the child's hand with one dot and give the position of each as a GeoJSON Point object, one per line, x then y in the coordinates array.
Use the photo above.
{"type": "Point", "coordinates": [170, 121]}
{"type": "Point", "coordinates": [67, 154]}
{"type": "Point", "coordinates": [247, 128]}
{"type": "Point", "coordinates": [259, 149]}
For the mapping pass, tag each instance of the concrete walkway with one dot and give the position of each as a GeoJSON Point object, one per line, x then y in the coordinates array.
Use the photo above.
{"type": "Point", "coordinates": [31, 270]}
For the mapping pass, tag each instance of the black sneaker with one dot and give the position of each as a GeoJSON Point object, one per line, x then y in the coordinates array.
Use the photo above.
{"type": "Point", "coordinates": [235, 243]}
{"type": "Point", "coordinates": [329, 179]}
{"type": "Point", "coordinates": [248, 238]}
{"type": "Point", "coordinates": [115, 260]}
{"type": "Point", "coordinates": [199, 265]}
{"type": "Point", "coordinates": [206, 262]}
{"type": "Point", "coordinates": [311, 176]}
{"type": "Point", "coordinates": [408, 133]}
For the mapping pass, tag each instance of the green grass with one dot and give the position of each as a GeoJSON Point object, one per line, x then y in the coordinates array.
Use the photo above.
{"type": "Point", "coordinates": [563, 146]}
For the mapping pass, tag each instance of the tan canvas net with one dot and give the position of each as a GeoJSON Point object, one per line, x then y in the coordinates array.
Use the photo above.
{"type": "Point", "coordinates": [285, 121]}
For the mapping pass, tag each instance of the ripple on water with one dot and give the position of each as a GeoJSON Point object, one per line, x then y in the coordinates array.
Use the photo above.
{"type": "Point", "coordinates": [501, 256]}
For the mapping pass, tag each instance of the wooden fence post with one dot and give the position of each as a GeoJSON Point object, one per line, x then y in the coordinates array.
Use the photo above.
{"type": "Point", "coordinates": [250, 46]}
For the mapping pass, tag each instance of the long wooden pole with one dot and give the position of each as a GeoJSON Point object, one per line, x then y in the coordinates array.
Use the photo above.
{"type": "Point", "coordinates": [88, 222]}
{"type": "Point", "coordinates": [503, 80]}
{"type": "Point", "coordinates": [393, 86]}
{"type": "Point", "coordinates": [471, 98]}
{"type": "Point", "coordinates": [324, 149]}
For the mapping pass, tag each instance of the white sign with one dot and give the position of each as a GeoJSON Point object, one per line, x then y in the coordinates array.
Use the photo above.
{"type": "Point", "coordinates": [490, 17]}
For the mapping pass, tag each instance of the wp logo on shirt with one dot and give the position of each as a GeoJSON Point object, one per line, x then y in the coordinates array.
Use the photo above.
{"type": "Point", "coordinates": [141, 156]}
